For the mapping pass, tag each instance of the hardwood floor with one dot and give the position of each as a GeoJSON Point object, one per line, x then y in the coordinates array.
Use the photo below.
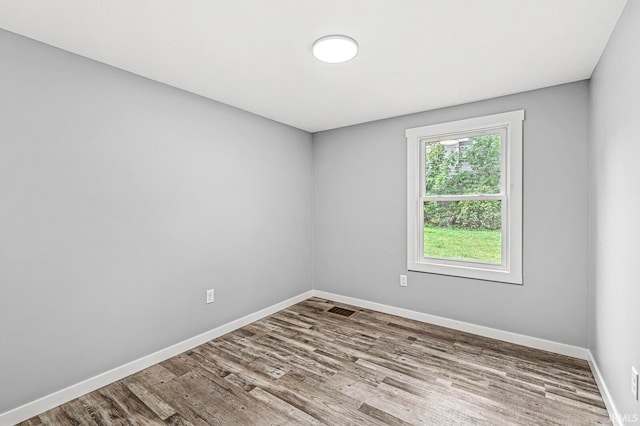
{"type": "Point", "coordinates": [305, 365]}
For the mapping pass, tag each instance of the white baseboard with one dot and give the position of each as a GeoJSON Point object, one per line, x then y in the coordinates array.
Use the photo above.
{"type": "Point", "coordinates": [520, 339]}
{"type": "Point", "coordinates": [48, 402]}
{"type": "Point", "coordinates": [616, 419]}
{"type": "Point", "coordinates": [532, 342]}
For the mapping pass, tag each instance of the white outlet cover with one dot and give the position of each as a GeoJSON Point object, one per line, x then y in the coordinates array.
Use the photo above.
{"type": "Point", "coordinates": [634, 382]}
{"type": "Point", "coordinates": [210, 296]}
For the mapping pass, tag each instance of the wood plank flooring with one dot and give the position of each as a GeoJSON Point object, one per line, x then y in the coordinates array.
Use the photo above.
{"type": "Point", "coordinates": [304, 365]}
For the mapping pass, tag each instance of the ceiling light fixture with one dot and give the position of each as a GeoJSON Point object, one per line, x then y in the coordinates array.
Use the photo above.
{"type": "Point", "coordinates": [335, 49]}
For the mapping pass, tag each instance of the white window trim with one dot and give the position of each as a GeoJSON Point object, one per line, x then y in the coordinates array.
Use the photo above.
{"type": "Point", "coordinates": [510, 271]}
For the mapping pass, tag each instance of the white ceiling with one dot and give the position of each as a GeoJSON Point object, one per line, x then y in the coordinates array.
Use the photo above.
{"type": "Point", "coordinates": [415, 55]}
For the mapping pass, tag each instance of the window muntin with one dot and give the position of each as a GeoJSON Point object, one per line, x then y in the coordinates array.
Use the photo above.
{"type": "Point", "coordinates": [464, 198]}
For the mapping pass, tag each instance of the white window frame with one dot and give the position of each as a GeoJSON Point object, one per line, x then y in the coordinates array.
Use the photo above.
{"type": "Point", "coordinates": [509, 124]}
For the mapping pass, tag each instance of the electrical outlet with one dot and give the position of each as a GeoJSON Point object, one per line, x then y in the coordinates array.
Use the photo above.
{"type": "Point", "coordinates": [210, 296]}
{"type": "Point", "coordinates": [403, 280]}
{"type": "Point", "coordinates": [634, 382]}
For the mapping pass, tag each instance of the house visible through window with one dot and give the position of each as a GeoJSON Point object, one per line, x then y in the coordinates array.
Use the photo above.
{"type": "Point", "coordinates": [465, 198]}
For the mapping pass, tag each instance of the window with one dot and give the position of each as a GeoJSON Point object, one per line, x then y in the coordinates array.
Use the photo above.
{"type": "Point", "coordinates": [464, 198]}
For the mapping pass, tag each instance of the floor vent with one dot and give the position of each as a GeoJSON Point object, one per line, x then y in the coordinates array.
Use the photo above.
{"type": "Point", "coordinates": [342, 311]}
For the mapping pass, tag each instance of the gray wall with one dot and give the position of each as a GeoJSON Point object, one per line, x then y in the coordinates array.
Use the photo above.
{"type": "Point", "coordinates": [122, 201]}
{"type": "Point", "coordinates": [360, 219]}
{"type": "Point", "coordinates": [615, 223]}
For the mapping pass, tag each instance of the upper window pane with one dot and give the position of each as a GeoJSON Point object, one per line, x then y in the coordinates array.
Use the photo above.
{"type": "Point", "coordinates": [467, 165]}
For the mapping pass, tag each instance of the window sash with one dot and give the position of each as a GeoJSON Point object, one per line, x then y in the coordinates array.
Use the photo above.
{"type": "Point", "coordinates": [469, 197]}
{"type": "Point", "coordinates": [501, 196]}
{"type": "Point", "coordinates": [504, 229]}
{"type": "Point", "coordinates": [501, 130]}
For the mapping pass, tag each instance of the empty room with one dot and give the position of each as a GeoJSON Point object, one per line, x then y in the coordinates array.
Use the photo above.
{"type": "Point", "coordinates": [288, 212]}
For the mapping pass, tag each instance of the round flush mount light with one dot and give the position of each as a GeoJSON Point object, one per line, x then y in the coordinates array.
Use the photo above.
{"type": "Point", "coordinates": [335, 49]}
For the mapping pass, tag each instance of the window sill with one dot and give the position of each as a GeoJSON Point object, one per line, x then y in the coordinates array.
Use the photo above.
{"type": "Point", "coordinates": [467, 272]}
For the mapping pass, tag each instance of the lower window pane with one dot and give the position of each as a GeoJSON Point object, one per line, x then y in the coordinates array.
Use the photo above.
{"type": "Point", "coordinates": [463, 230]}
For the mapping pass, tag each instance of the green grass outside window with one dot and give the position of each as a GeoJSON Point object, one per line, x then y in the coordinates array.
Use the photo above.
{"type": "Point", "coordinates": [476, 245]}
